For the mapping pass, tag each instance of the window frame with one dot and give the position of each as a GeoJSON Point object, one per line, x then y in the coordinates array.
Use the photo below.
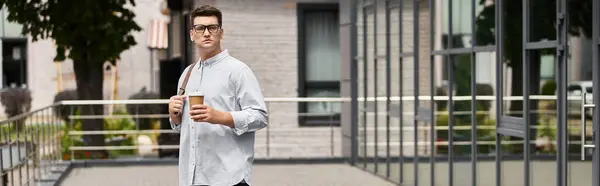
{"type": "Point", "coordinates": [303, 84]}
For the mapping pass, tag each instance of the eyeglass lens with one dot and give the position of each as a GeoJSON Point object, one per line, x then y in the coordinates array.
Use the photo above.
{"type": "Point", "coordinates": [202, 28]}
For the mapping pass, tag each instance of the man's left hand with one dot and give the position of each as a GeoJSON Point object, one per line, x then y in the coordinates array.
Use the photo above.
{"type": "Point", "coordinates": [204, 113]}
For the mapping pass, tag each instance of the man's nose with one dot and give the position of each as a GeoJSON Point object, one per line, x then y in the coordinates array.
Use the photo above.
{"type": "Point", "coordinates": [206, 33]}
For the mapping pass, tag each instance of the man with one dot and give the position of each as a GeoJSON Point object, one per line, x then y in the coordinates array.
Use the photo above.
{"type": "Point", "coordinates": [217, 138]}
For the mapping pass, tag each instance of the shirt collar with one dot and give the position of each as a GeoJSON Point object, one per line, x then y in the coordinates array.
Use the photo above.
{"type": "Point", "coordinates": [211, 61]}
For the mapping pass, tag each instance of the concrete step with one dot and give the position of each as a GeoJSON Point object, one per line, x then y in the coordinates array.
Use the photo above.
{"type": "Point", "coordinates": [55, 175]}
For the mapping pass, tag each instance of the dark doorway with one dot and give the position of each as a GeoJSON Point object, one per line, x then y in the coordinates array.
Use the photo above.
{"type": "Point", "coordinates": [14, 61]}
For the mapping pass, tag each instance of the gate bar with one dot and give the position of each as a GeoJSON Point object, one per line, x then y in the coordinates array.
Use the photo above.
{"type": "Point", "coordinates": [596, 91]}
{"type": "Point", "coordinates": [561, 71]}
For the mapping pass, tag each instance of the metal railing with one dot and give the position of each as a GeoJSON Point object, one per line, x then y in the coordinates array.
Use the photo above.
{"type": "Point", "coordinates": [30, 147]}
{"type": "Point", "coordinates": [282, 138]}
{"type": "Point", "coordinates": [51, 136]}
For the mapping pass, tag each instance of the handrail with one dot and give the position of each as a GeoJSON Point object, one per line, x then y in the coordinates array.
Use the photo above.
{"type": "Point", "coordinates": [326, 99]}
{"type": "Point", "coordinates": [26, 114]}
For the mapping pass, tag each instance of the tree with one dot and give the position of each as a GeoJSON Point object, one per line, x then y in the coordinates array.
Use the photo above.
{"type": "Point", "coordinates": [542, 26]}
{"type": "Point", "coordinates": [89, 32]}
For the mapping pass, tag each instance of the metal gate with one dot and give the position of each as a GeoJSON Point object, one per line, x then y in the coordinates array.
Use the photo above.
{"type": "Point", "coordinates": [477, 92]}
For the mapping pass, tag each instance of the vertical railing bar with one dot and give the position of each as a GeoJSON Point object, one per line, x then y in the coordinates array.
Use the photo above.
{"type": "Point", "coordinates": [36, 135]}
{"type": "Point", "coordinates": [10, 159]}
{"type": "Point", "coordinates": [37, 154]}
{"type": "Point", "coordinates": [331, 145]}
{"type": "Point", "coordinates": [525, 72]}
{"type": "Point", "coordinates": [562, 80]}
{"type": "Point", "coordinates": [41, 148]}
{"type": "Point", "coordinates": [375, 102]}
{"type": "Point", "coordinates": [137, 126]}
{"type": "Point", "coordinates": [451, 82]}
{"type": "Point", "coordinates": [54, 133]}
{"type": "Point", "coordinates": [473, 119]}
{"type": "Point", "coordinates": [71, 123]}
{"type": "Point", "coordinates": [400, 90]}
{"type": "Point", "coordinates": [596, 91]}
{"type": "Point", "coordinates": [365, 83]}
{"type": "Point", "coordinates": [354, 82]}
{"type": "Point", "coordinates": [432, 16]}
{"type": "Point", "coordinates": [387, 85]}
{"type": "Point", "coordinates": [3, 173]}
{"type": "Point", "coordinates": [18, 127]}
{"type": "Point", "coordinates": [268, 143]}
{"type": "Point", "coordinates": [499, 80]}
{"type": "Point", "coordinates": [45, 142]}
{"type": "Point", "coordinates": [38, 168]}
{"type": "Point", "coordinates": [28, 149]}
{"type": "Point", "coordinates": [416, 88]}
{"type": "Point", "coordinates": [473, 97]}
{"type": "Point", "coordinates": [59, 132]}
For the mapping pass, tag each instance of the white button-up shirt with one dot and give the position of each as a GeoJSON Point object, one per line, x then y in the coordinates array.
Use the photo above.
{"type": "Point", "coordinates": [214, 154]}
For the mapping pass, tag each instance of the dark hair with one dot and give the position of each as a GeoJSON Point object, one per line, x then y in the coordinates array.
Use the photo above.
{"type": "Point", "coordinates": [206, 11]}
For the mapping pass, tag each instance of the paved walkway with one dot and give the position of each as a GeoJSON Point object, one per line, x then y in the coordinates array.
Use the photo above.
{"type": "Point", "coordinates": [264, 175]}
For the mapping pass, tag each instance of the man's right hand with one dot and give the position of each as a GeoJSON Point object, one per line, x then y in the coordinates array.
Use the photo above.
{"type": "Point", "coordinates": [176, 107]}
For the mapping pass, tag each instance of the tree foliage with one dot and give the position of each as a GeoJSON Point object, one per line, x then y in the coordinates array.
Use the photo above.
{"type": "Point", "coordinates": [89, 32]}
{"type": "Point", "coordinates": [542, 23]}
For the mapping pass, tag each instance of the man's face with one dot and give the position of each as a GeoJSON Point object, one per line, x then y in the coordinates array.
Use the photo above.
{"type": "Point", "coordinates": [206, 32]}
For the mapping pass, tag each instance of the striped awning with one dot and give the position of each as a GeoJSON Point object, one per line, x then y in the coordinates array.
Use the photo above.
{"type": "Point", "coordinates": [157, 34]}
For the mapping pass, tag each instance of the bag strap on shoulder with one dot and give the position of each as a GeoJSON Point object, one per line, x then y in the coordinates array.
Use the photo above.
{"type": "Point", "coordinates": [185, 80]}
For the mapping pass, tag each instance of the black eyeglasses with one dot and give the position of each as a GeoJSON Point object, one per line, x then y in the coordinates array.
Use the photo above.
{"type": "Point", "coordinates": [199, 29]}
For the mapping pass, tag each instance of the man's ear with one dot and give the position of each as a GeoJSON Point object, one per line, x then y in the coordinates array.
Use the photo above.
{"type": "Point", "coordinates": [191, 35]}
{"type": "Point", "coordinates": [222, 33]}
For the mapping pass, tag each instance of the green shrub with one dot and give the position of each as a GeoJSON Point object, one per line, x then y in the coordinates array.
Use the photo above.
{"type": "Point", "coordinates": [16, 101]}
{"type": "Point", "coordinates": [483, 134]}
{"type": "Point", "coordinates": [113, 139]}
{"type": "Point", "coordinates": [549, 88]}
{"type": "Point", "coordinates": [144, 123]}
{"type": "Point", "coordinates": [63, 111]}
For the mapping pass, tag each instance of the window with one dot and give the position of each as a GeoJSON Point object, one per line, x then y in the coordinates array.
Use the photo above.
{"type": "Point", "coordinates": [14, 62]}
{"type": "Point", "coordinates": [318, 63]}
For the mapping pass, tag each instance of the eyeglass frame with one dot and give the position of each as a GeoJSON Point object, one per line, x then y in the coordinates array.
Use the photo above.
{"type": "Point", "coordinates": [206, 27]}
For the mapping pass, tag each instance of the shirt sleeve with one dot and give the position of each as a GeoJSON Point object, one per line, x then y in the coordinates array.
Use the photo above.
{"type": "Point", "coordinates": [177, 127]}
{"type": "Point", "coordinates": [253, 114]}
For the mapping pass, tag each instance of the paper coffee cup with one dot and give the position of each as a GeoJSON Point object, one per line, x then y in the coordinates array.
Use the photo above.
{"type": "Point", "coordinates": [196, 98]}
